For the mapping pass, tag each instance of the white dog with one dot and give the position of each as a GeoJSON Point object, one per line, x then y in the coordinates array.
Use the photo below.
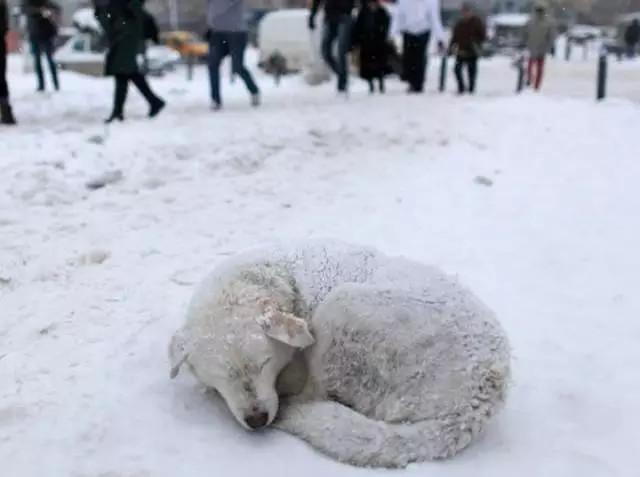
{"type": "Point", "coordinates": [400, 363]}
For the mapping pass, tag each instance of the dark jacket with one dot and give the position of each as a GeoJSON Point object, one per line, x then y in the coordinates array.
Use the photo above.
{"type": "Point", "coordinates": [632, 33]}
{"type": "Point", "coordinates": [4, 19]}
{"type": "Point", "coordinates": [333, 9]}
{"type": "Point", "coordinates": [42, 19]}
{"type": "Point", "coordinates": [370, 35]}
{"type": "Point", "coordinates": [122, 22]}
{"type": "Point", "coordinates": [468, 36]}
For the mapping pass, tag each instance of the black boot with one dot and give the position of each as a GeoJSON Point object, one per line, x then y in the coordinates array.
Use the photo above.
{"type": "Point", "coordinates": [6, 114]}
{"type": "Point", "coordinates": [155, 107]}
{"type": "Point", "coordinates": [113, 117]}
{"type": "Point", "coordinates": [155, 104]}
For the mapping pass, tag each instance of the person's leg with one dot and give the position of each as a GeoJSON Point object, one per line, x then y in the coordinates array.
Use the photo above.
{"type": "Point", "coordinates": [344, 45]}
{"type": "Point", "coordinates": [409, 46]}
{"type": "Point", "coordinates": [119, 98]}
{"type": "Point", "coordinates": [539, 72]}
{"type": "Point", "coordinates": [155, 103]}
{"type": "Point", "coordinates": [53, 68]}
{"type": "Point", "coordinates": [237, 46]}
{"type": "Point", "coordinates": [530, 66]}
{"type": "Point", "coordinates": [472, 66]}
{"type": "Point", "coordinates": [4, 87]}
{"type": "Point", "coordinates": [6, 114]}
{"type": "Point", "coordinates": [457, 69]}
{"type": "Point", "coordinates": [372, 87]}
{"type": "Point", "coordinates": [421, 60]}
{"type": "Point", "coordinates": [37, 63]}
{"type": "Point", "coordinates": [381, 83]}
{"type": "Point", "coordinates": [216, 54]}
{"type": "Point", "coordinates": [329, 34]}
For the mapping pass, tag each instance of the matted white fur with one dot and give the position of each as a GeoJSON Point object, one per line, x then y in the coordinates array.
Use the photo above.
{"type": "Point", "coordinates": [401, 363]}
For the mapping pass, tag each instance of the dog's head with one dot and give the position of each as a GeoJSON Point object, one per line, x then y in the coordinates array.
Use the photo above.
{"type": "Point", "coordinates": [242, 360]}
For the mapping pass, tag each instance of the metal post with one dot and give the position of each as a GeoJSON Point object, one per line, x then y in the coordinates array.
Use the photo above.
{"type": "Point", "coordinates": [602, 76]}
{"type": "Point", "coordinates": [443, 73]}
{"type": "Point", "coordinates": [567, 49]}
{"type": "Point", "coordinates": [520, 68]}
{"type": "Point", "coordinates": [190, 61]}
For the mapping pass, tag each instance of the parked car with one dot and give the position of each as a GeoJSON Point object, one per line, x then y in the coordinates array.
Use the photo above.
{"type": "Point", "coordinates": [187, 44]}
{"type": "Point", "coordinates": [85, 53]}
{"type": "Point", "coordinates": [506, 31]}
{"type": "Point", "coordinates": [583, 33]}
{"type": "Point", "coordinates": [63, 36]}
{"type": "Point", "coordinates": [613, 46]}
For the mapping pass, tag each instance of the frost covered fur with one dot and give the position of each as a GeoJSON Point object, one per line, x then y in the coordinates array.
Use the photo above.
{"type": "Point", "coordinates": [400, 364]}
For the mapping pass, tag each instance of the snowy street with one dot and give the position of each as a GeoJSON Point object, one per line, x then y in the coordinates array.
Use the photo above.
{"type": "Point", "coordinates": [532, 200]}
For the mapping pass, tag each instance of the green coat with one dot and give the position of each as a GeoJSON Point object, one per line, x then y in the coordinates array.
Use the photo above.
{"type": "Point", "coordinates": [539, 36]}
{"type": "Point", "coordinates": [122, 22]}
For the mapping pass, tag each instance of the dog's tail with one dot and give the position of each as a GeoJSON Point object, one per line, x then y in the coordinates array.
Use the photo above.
{"type": "Point", "coordinates": [353, 438]}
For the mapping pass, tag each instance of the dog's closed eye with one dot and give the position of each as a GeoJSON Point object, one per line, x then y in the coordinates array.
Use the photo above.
{"type": "Point", "coordinates": [266, 361]}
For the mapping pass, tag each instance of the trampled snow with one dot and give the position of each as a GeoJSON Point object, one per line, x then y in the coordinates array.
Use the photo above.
{"type": "Point", "coordinates": [532, 200]}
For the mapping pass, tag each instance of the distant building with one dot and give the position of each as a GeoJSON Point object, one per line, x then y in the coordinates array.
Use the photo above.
{"type": "Point", "coordinates": [510, 6]}
{"type": "Point", "coordinates": [455, 5]}
{"type": "Point", "coordinates": [451, 8]}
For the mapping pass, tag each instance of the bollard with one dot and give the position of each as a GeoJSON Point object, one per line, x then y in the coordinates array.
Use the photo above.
{"type": "Point", "coordinates": [190, 61]}
{"type": "Point", "coordinates": [602, 77]}
{"type": "Point", "coordinates": [520, 68]}
{"type": "Point", "coordinates": [443, 73]}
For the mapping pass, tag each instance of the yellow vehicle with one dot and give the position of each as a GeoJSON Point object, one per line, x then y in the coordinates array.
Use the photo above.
{"type": "Point", "coordinates": [186, 43]}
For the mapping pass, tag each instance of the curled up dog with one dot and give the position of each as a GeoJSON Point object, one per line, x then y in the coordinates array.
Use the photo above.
{"type": "Point", "coordinates": [373, 360]}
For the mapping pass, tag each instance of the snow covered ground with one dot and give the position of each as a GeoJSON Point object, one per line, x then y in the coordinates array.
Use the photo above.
{"type": "Point", "coordinates": [532, 200]}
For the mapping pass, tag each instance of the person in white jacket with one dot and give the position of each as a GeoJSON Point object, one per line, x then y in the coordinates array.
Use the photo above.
{"type": "Point", "coordinates": [418, 21]}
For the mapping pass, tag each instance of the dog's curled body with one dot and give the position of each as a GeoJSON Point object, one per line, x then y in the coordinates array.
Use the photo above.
{"type": "Point", "coordinates": [403, 365]}
{"type": "Point", "coordinates": [386, 389]}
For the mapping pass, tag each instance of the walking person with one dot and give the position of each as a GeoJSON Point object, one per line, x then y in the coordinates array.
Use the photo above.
{"type": "Point", "coordinates": [371, 37]}
{"type": "Point", "coordinates": [42, 26]}
{"type": "Point", "coordinates": [122, 22]}
{"type": "Point", "coordinates": [6, 114]}
{"type": "Point", "coordinates": [228, 35]}
{"type": "Point", "coordinates": [469, 34]}
{"type": "Point", "coordinates": [539, 38]}
{"type": "Point", "coordinates": [418, 21]}
{"type": "Point", "coordinates": [632, 37]}
{"type": "Point", "coordinates": [338, 23]}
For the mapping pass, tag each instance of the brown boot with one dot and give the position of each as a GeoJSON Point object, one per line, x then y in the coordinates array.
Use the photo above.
{"type": "Point", "coordinates": [6, 114]}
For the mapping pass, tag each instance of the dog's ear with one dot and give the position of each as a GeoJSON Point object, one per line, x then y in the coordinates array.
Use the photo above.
{"type": "Point", "coordinates": [286, 328]}
{"type": "Point", "coordinates": [178, 352]}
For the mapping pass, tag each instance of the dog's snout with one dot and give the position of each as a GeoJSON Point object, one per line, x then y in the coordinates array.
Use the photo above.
{"type": "Point", "coordinates": [257, 420]}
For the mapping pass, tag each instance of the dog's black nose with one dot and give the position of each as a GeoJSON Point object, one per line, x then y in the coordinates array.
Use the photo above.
{"type": "Point", "coordinates": [257, 421]}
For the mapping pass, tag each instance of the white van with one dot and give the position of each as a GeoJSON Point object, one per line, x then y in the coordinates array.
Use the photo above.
{"type": "Point", "coordinates": [286, 33]}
